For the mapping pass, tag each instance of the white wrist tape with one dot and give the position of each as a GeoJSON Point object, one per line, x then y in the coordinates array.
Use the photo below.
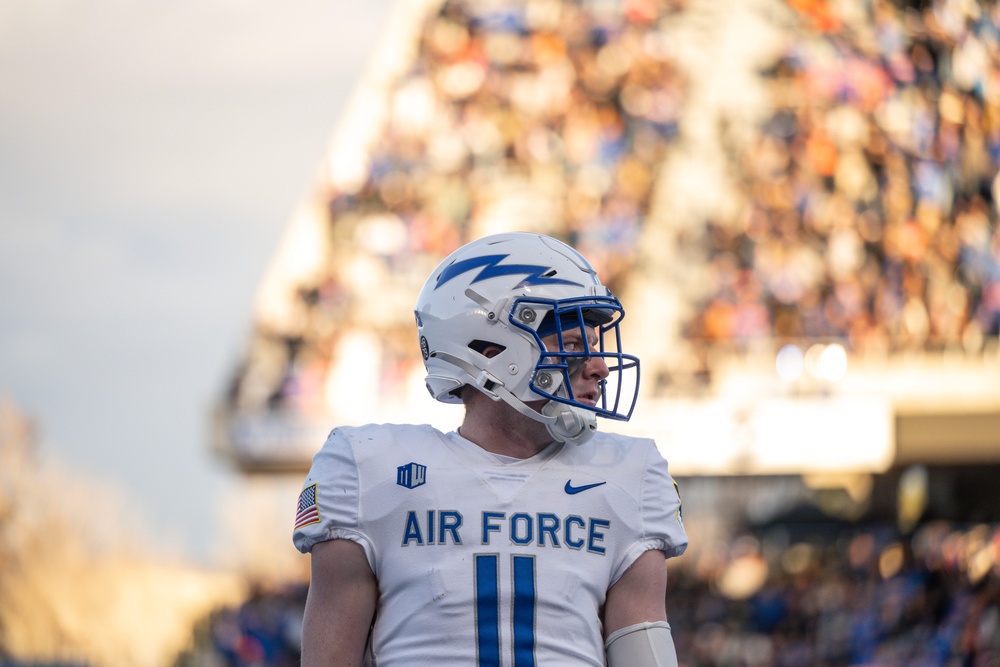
{"type": "Point", "coordinates": [642, 645]}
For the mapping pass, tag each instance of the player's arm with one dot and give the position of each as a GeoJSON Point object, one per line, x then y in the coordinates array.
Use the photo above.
{"type": "Point", "coordinates": [340, 606]}
{"type": "Point", "coordinates": [636, 632]}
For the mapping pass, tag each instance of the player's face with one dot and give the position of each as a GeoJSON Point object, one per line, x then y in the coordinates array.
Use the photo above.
{"type": "Point", "coordinates": [586, 373]}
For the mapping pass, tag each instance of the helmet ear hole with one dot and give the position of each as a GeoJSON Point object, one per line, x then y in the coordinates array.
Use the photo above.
{"type": "Point", "coordinates": [486, 348]}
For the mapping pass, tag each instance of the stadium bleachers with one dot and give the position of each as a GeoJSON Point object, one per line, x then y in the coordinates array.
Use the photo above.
{"type": "Point", "coordinates": [828, 180]}
{"type": "Point", "coordinates": [855, 205]}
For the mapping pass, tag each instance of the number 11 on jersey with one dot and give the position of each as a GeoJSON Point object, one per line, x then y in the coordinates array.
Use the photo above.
{"type": "Point", "coordinates": [488, 610]}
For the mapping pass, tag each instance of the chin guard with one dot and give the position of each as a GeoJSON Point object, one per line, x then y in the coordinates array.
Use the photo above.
{"type": "Point", "coordinates": [569, 424]}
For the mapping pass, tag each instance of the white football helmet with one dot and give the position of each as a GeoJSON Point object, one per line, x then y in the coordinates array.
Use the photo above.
{"type": "Point", "coordinates": [508, 291]}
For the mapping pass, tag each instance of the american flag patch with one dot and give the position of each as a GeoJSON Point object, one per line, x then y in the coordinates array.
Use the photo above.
{"type": "Point", "coordinates": [308, 509]}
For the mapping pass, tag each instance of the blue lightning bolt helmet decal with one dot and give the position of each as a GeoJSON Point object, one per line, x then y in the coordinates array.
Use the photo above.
{"type": "Point", "coordinates": [492, 268]}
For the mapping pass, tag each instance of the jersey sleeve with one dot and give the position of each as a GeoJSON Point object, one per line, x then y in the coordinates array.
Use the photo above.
{"type": "Point", "coordinates": [329, 504]}
{"type": "Point", "coordinates": [661, 516]}
{"type": "Point", "coordinates": [660, 524]}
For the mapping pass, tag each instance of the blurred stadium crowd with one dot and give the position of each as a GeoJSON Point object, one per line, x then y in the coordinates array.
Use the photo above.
{"type": "Point", "coordinates": [861, 206]}
{"type": "Point", "coordinates": [837, 595]}
{"type": "Point", "coordinates": [861, 596]}
{"type": "Point", "coordinates": [870, 189]}
{"type": "Point", "coordinates": [555, 114]}
{"type": "Point", "coordinates": [864, 210]}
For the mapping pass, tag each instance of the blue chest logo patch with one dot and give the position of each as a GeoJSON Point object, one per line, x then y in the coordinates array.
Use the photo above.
{"type": "Point", "coordinates": [411, 475]}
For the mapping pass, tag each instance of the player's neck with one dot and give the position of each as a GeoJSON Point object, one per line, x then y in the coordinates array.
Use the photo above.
{"type": "Point", "coordinates": [499, 429]}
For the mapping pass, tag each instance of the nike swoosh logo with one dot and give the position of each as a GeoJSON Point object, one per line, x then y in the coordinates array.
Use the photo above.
{"type": "Point", "coordinates": [570, 489]}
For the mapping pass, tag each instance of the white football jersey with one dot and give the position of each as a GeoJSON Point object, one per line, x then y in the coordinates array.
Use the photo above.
{"type": "Point", "coordinates": [484, 562]}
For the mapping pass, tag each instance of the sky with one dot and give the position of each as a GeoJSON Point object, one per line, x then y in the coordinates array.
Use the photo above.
{"type": "Point", "coordinates": [151, 154]}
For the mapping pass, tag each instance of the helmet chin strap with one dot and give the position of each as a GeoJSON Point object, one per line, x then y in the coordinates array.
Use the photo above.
{"type": "Point", "coordinates": [565, 423]}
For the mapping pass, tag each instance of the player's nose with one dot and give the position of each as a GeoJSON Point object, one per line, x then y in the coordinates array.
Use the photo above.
{"type": "Point", "coordinates": [596, 368]}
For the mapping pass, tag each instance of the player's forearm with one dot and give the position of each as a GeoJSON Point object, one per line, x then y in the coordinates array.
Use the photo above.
{"type": "Point", "coordinates": [334, 636]}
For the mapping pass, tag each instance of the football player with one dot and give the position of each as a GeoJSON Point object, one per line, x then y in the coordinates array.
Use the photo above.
{"type": "Point", "coordinates": [524, 537]}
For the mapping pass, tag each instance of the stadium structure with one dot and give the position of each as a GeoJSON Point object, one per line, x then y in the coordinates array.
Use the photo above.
{"type": "Point", "coordinates": [795, 201]}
